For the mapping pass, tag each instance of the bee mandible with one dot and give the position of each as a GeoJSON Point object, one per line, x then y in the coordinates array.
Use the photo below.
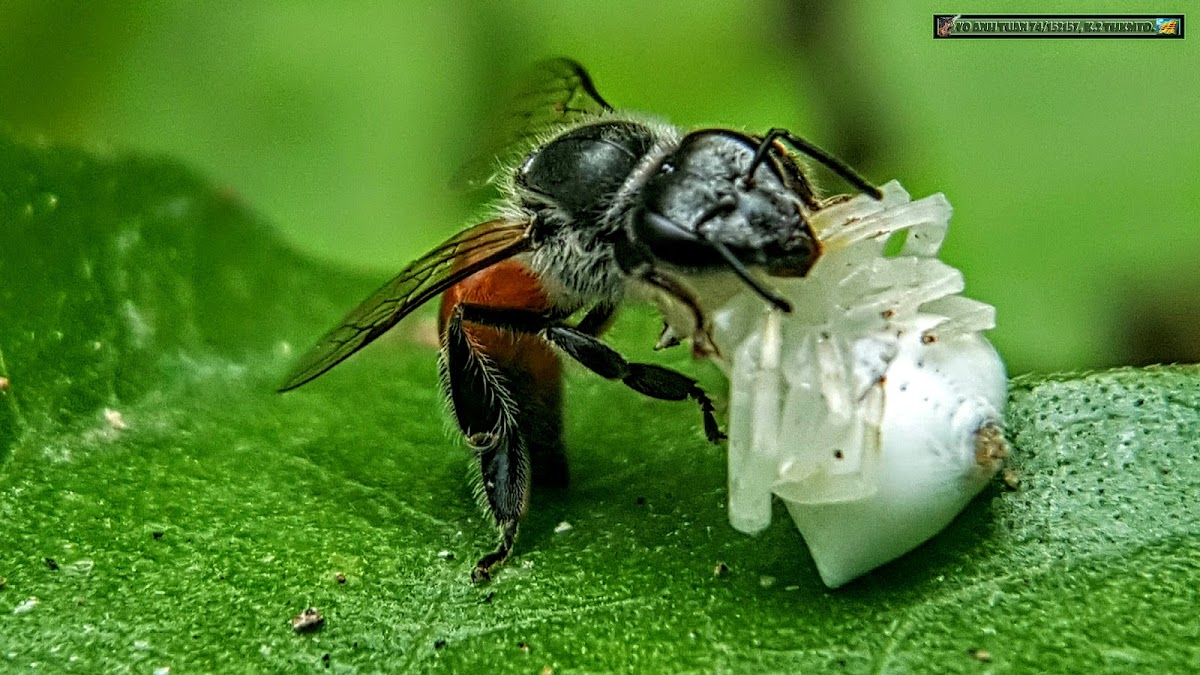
{"type": "Point", "coordinates": [601, 207]}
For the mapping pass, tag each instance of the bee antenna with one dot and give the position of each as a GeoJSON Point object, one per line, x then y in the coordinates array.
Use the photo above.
{"type": "Point", "coordinates": [833, 163]}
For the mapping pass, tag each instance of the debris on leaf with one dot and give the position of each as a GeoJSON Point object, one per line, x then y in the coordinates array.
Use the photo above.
{"type": "Point", "coordinates": [307, 621]}
{"type": "Point", "coordinates": [766, 581]}
{"type": "Point", "coordinates": [25, 606]}
{"type": "Point", "coordinates": [4, 385]}
{"type": "Point", "coordinates": [564, 526]}
{"type": "Point", "coordinates": [115, 419]}
{"type": "Point", "coordinates": [82, 567]}
{"type": "Point", "coordinates": [547, 670]}
{"type": "Point", "coordinates": [982, 655]}
{"type": "Point", "coordinates": [1012, 479]}
{"type": "Point", "coordinates": [445, 555]}
{"type": "Point", "coordinates": [523, 646]}
{"type": "Point", "coordinates": [340, 577]}
{"type": "Point", "coordinates": [438, 644]}
{"type": "Point", "coordinates": [720, 570]}
{"type": "Point", "coordinates": [156, 535]}
{"type": "Point", "coordinates": [51, 563]}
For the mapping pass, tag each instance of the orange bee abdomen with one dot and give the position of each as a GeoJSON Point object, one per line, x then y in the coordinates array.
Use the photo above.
{"type": "Point", "coordinates": [528, 366]}
{"type": "Point", "coordinates": [509, 285]}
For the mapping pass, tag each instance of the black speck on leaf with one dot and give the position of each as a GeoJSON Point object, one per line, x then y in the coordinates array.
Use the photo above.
{"type": "Point", "coordinates": [51, 563]}
{"type": "Point", "coordinates": [438, 644]}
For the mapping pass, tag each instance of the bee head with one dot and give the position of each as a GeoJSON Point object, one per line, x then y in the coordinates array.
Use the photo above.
{"type": "Point", "coordinates": [703, 204]}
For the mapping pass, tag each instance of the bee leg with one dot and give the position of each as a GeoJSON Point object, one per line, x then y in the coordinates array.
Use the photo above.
{"type": "Point", "coordinates": [646, 378]}
{"type": "Point", "coordinates": [702, 342]}
{"type": "Point", "coordinates": [598, 319]}
{"type": "Point", "coordinates": [488, 563]}
{"type": "Point", "coordinates": [667, 338]}
{"type": "Point", "coordinates": [484, 408]}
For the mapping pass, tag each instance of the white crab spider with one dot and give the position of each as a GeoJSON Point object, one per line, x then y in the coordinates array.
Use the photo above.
{"type": "Point", "coordinates": [873, 410]}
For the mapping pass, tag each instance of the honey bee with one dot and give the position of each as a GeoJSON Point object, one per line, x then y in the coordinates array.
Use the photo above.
{"type": "Point", "coordinates": [600, 206]}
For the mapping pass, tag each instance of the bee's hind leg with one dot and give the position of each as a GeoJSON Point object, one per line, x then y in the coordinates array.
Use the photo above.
{"type": "Point", "coordinates": [485, 410]}
{"type": "Point", "coordinates": [483, 569]}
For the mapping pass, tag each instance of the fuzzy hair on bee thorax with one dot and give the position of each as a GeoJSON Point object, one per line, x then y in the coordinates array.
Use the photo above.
{"type": "Point", "coordinates": [575, 245]}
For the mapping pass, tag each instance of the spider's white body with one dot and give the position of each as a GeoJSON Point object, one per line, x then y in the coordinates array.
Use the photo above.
{"type": "Point", "coordinates": [873, 410]}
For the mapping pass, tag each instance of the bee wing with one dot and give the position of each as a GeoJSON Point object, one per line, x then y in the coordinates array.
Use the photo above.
{"type": "Point", "coordinates": [557, 92]}
{"type": "Point", "coordinates": [458, 258]}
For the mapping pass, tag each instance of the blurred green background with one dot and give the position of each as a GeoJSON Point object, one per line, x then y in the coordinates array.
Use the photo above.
{"type": "Point", "coordinates": [1071, 164]}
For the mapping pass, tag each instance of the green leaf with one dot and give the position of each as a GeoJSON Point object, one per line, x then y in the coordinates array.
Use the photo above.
{"type": "Point", "coordinates": [190, 512]}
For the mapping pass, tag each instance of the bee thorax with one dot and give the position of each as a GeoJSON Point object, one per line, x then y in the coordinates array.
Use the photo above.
{"type": "Point", "coordinates": [575, 272]}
